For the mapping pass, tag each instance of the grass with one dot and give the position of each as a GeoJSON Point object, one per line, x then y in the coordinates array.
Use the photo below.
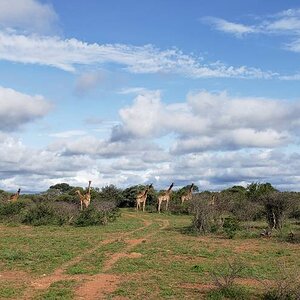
{"type": "Point", "coordinates": [60, 290]}
{"type": "Point", "coordinates": [8, 291]}
{"type": "Point", "coordinates": [170, 264]}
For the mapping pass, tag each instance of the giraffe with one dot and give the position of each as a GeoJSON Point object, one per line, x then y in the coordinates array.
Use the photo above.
{"type": "Point", "coordinates": [165, 197]}
{"type": "Point", "coordinates": [213, 199]}
{"type": "Point", "coordinates": [188, 194]}
{"type": "Point", "coordinates": [85, 198]}
{"type": "Point", "coordinates": [142, 197]}
{"type": "Point", "coordinates": [14, 198]}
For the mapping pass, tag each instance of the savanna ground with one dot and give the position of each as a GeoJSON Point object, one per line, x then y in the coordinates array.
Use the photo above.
{"type": "Point", "coordinates": [139, 256]}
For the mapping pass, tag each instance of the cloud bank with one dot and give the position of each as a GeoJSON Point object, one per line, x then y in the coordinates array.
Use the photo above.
{"type": "Point", "coordinates": [27, 15]}
{"type": "Point", "coordinates": [67, 54]}
{"type": "Point", "coordinates": [18, 109]}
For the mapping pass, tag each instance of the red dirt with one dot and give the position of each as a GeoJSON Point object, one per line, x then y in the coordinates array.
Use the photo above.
{"type": "Point", "coordinates": [14, 276]}
{"type": "Point", "coordinates": [98, 287]}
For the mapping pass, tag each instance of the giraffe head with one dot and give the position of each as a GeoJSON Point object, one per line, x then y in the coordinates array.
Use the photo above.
{"type": "Point", "coordinates": [170, 187]}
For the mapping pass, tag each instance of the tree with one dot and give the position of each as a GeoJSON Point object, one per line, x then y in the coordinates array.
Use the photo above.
{"type": "Point", "coordinates": [255, 190]}
{"type": "Point", "coordinates": [110, 193]}
{"type": "Point", "coordinates": [62, 187]}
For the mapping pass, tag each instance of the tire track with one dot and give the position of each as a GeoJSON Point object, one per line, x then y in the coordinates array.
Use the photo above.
{"type": "Point", "coordinates": [42, 283]}
{"type": "Point", "coordinates": [95, 289]}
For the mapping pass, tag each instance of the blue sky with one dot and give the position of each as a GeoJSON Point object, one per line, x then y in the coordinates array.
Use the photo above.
{"type": "Point", "coordinates": [132, 92]}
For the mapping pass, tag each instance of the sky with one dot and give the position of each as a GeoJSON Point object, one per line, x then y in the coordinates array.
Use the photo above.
{"type": "Point", "coordinates": [138, 92]}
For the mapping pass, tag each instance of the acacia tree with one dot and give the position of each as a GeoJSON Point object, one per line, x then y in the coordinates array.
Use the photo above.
{"type": "Point", "coordinates": [277, 205]}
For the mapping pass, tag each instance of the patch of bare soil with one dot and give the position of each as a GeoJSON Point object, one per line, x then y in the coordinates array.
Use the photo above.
{"type": "Point", "coordinates": [135, 242]}
{"type": "Point", "coordinates": [97, 287]}
{"type": "Point", "coordinates": [14, 276]}
{"type": "Point", "coordinates": [252, 282]}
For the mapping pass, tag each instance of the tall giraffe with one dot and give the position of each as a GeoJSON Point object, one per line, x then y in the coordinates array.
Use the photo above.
{"type": "Point", "coordinates": [14, 197]}
{"type": "Point", "coordinates": [85, 198]}
{"type": "Point", "coordinates": [142, 197]}
{"type": "Point", "coordinates": [165, 197]}
{"type": "Point", "coordinates": [213, 199]}
{"type": "Point", "coordinates": [188, 194]}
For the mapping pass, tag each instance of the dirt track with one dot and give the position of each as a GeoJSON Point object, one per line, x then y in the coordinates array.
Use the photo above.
{"type": "Point", "coordinates": [99, 285]}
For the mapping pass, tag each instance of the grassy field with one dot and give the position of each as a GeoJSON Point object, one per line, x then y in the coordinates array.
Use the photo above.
{"type": "Point", "coordinates": [140, 256]}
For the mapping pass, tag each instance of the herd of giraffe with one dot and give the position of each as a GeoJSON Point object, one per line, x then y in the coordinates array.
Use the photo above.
{"type": "Point", "coordinates": [141, 198]}
{"type": "Point", "coordinates": [164, 197]}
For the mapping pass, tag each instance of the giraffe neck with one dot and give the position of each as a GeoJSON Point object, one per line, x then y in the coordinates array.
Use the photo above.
{"type": "Point", "coordinates": [89, 188]}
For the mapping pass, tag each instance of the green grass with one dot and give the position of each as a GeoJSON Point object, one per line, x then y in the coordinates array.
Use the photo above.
{"type": "Point", "coordinates": [8, 291]}
{"type": "Point", "coordinates": [60, 290]}
{"type": "Point", "coordinates": [233, 292]}
{"type": "Point", "coordinates": [171, 264]}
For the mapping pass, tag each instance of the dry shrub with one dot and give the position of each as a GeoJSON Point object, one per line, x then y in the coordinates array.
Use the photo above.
{"type": "Point", "coordinates": [285, 287]}
{"type": "Point", "coordinates": [206, 217]}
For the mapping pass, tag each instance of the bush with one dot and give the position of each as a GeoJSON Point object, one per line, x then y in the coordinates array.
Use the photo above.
{"type": "Point", "coordinates": [205, 215]}
{"type": "Point", "coordinates": [13, 211]}
{"type": "Point", "coordinates": [12, 208]}
{"type": "Point", "coordinates": [230, 226]}
{"type": "Point", "coordinates": [110, 193]}
{"type": "Point", "coordinates": [276, 206]}
{"type": "Point", "coordinates": [65, 213]}
{"type": "Point", "coordinates": [285, 289]}
{"type": "Point", "coordinates": [95, 215]}
{"type": "Point", "coordinates": [40, 214]}
{"type": "Point", "coordinates": [224, 278]}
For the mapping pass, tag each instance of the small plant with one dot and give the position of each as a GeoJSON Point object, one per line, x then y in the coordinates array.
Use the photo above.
{"type": "Point", "coordinates": [224, 279]}
{"type": "Point", "coordinates": [286, 287]}
{"type": "Point", "coordinates": [225, 276]}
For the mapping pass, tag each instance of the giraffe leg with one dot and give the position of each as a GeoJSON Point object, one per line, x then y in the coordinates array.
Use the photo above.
{"type": "Point", "coordinates": [167, 205]}
{"type": "Point", "coordinates": [81, 205]}
{"type": "Point", "coordinates": [159, 203]}
{"type": "Point", "coordinates": [144, 204]}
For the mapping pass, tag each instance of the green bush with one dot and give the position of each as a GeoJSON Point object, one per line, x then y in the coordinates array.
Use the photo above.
{"type": "Point", "coordinates": [12, 212]}
{"type": "Point", "coordinates": [12, 208]}
{"type": "Point", "coordinates": [95, 216]}
{"type": "Point", "coordinates": [40, 214]}
{"type": "Point", "coordinates": [231, 226]}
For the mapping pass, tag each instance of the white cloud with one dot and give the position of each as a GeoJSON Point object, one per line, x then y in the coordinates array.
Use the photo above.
{"type": "Point", "coordinates": [67, 54]}
{"type": "Point", "coordinates": [138, 162]}
{"type": "Point", "coordinates": [132, 90]}
{"type": "Point", "coordinates": [27, 15]}
{"type": "Point", "coordinates": [295, 47]}
{"type": "Point", "coordinates": [229, 27]}
{"type": "Point", "coordinates": [208, 121]}
{"type": "Point", "coordinates": [17, 109]}
{"type": "Point", "coordinates": [88, 81]}
{"type": "Point", "coordinates": [68, 133]}
{"type": "Point", "coordinates": [286, 22]}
